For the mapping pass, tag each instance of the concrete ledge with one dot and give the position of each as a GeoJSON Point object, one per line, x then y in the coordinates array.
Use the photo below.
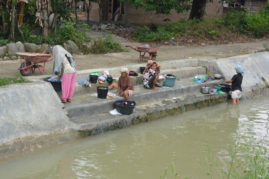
{"type": "Point", "coordinates": [95, 106]}
{"type": "Point", "coordinates": [160, 110]}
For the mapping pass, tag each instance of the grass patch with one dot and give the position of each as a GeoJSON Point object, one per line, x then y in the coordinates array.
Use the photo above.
{"type": "Point", "coordinates": [107, 45]}
{"type": "Point", "coordinates": [8, 81]}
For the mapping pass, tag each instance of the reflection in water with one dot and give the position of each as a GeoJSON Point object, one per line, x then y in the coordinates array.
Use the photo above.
{"type": "Point", "coordinates": [144, 151]}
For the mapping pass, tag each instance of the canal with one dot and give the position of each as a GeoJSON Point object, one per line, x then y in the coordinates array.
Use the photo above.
{"type": "Point", "coordinates": [195, 144]}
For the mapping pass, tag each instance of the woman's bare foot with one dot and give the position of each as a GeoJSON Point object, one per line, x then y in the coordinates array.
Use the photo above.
{"type": "Point", "coordinates": [155, 88]}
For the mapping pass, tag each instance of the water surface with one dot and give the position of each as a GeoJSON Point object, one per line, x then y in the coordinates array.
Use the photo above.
{"type": "Point", "coordinates": [144, 151]}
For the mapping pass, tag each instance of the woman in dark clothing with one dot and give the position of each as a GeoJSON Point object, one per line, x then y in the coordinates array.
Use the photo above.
{"type": "Point", "coordinates": [236, 84]}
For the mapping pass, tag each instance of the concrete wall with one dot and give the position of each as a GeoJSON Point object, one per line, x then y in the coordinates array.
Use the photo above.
{"type": "Point", "coordinates": [256, 67]}
{"type": "Point", "coordinates": [31, 109]}
{"type": "Point", "coordinates": [140, 16]}
{"type": "Point", "coordinates": [255, 6]}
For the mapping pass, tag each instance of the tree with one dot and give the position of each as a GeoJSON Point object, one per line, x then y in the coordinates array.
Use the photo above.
{"type": "Point", "coordinates": [198, 9]}
{"type": "Point", "coordinates": [13, 18]}
{"type": "Point", "coordinates": [43, 10]}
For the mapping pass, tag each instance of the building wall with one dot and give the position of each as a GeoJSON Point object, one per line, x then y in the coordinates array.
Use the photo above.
{"type": "Point", "coordinates": [255, 5]}
{"type": "Point", "coordinates": [141, 16]}
{"type": "Point", "coordinates": [94, 13]}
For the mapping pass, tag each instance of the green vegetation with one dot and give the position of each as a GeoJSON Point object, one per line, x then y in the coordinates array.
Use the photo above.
{"type": "Point", "coordinates": [246, 160]}
{"type": "Point", "coordinates": [184, 29]}
{"type": "Point", "coordinates": [8, 81]}
{"type": "Point", "coordinates": [234, 22]}
{"type": "Point", "coordinates": [68, 31]}
{"type": "Point", "coordinates": [105, 46]}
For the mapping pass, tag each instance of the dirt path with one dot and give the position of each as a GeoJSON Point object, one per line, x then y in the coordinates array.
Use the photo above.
{"type": "Point", "coordinates": [9, 68]}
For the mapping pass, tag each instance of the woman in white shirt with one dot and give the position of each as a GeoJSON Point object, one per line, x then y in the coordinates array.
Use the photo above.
{"type": "Point", "coordinates": [64, 67]}
{"type": "Point", "coordinates": [68, 80]}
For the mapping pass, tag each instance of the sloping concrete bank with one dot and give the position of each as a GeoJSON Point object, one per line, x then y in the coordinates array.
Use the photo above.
{"type": "Point", "coordinates": [256, 74]}
{"type": "Point", "coordinates": [29, 111]}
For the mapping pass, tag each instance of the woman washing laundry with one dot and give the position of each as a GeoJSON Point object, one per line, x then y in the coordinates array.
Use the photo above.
{"type": "Point", "coordinates": [151, 74]}
{"type": "Point", "coordinates": [124, 85]}
{"type": "Point", "coordinates": [236, 84]}
{"type": "Point", "coordinates": [64, 68]}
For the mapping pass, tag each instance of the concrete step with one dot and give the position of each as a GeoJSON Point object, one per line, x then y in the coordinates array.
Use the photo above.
{"type": "Point", "coordinates": [180, 73]}
{"type": "Point", "coordinates": [88, 104]}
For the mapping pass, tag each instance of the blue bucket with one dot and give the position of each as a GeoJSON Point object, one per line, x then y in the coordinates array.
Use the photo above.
{"type": "Point", "coordinates": [169, 80]}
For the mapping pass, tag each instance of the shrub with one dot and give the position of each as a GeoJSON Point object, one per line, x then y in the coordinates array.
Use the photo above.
{"type": "Point", "coordinates": [236, 20]}
{"type": "Point", "coordinates": [259, 23]}
{"type": "Point", "coordinates": [68, 31]}
{"type": "Point", "coordinates": [3, 41]}
{"type": "Point", "coordinates": [105, 46]}
{"type": "Point", "coordinates": [144, 34]}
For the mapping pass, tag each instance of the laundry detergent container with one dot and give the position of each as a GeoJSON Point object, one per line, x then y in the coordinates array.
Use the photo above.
{"type": "Point", "coordinates": [170, 80]}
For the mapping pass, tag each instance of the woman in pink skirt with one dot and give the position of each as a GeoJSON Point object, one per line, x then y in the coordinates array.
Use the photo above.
{"type": "Point", "coordinates": [64, 67]}
{"type": "Point", "coordinates": [68, 80]}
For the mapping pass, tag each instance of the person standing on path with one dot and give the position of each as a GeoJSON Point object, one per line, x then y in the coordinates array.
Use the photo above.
{"type": "Point", "coordinates": [64, 67]}
{"type": "Point", "coordinates": [236, 84]}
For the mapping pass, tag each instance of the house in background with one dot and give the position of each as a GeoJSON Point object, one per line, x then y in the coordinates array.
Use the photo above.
{"type": "Point", "coordinates": [123, 12]}
{"type": "Point", "coordinates": [252, 6]}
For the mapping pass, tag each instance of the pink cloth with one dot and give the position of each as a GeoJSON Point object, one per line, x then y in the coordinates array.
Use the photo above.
{"type": "Point", "coordinates": [68, 85]}
{"type": "Point", "coordinates": [131, 92]}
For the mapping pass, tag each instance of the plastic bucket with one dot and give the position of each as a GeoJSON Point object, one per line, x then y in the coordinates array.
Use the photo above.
{"type": "Point", "coordinates": [102, 92]}
{"type": "Point", "coordinates": [169, 80]}
{"type": "Point", "coordinates": [124, 107]}
{"type": "Point", "coordinates": [141, 69]}
{"type": "Point", "coordinates": [93, 78]}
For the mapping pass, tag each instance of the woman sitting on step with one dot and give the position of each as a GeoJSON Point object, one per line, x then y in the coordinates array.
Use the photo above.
{"type": "Point", "coordinates": [151, 74]}
{"type": "Point", "coordinates": [124, 85]}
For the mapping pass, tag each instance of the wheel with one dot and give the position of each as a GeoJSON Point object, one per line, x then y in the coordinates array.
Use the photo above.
{"type": "Point", "coordinates": [26, 71]}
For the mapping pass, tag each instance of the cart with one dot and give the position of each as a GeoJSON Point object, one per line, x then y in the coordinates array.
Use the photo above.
{"type": "Point", "coordinates": [31, 62]}
{"type": "Point", "coordinates": [146, 52]}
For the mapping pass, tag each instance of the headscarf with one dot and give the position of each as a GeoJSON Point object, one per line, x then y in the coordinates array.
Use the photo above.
{"type": "Point", "coordinates": [124, 69]}
{"type": "Point", "coordinates": [59, 53]}
{"type": "Point", "coordinates": [239, 69]}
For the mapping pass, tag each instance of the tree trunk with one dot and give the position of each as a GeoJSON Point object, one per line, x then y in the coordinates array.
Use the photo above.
{"type": "Point", "coordinates": [103, 9]}
{"type": "Point", "coordinates": [2, 11]}
{"type": "Point", "coordinates": [76, 13]}
{"type": "Point", "coordinates": [13, 18]}
{"type": "Point", "coordinates": [46, 23]}
{"type": "Point", "coordinates": [126, 12]}
{"type": "Point", "coordinates": [198, 9]}
{"type": "Point", "coordinates": [88, 10]}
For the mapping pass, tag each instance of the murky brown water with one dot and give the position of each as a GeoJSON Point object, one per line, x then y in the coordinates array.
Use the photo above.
{"type": "Point", "coordinates": [144, 151]}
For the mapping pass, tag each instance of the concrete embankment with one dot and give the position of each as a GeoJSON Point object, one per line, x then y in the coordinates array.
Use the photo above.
{"type": "Point", "coordinates": [31, 109]}
{"type": "Point", "coordinates": [35, 109]}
